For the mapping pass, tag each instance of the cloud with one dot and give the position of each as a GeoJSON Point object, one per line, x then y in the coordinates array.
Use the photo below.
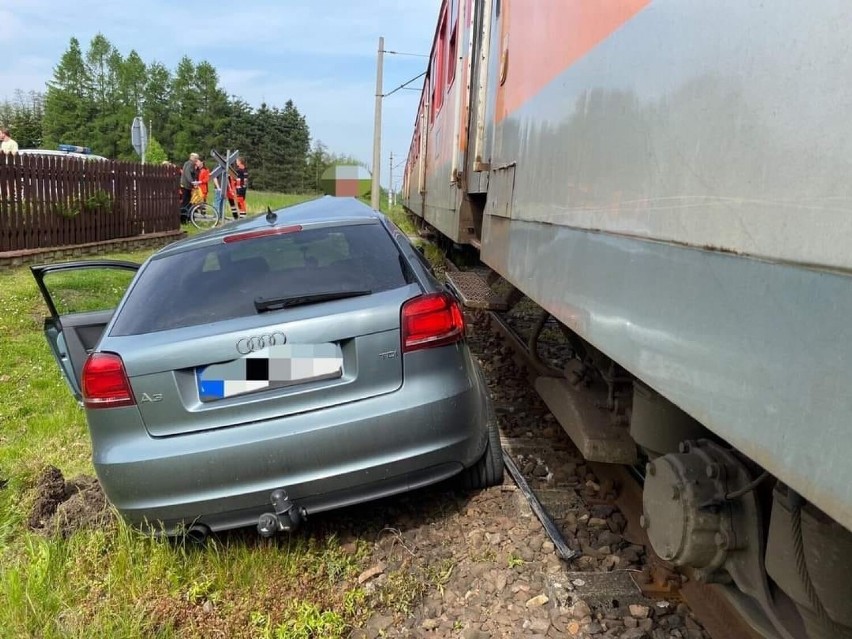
{"type": "Point", "coordinates": [10, 27]}
{"type": "Point", "coordinates": [28, 73]}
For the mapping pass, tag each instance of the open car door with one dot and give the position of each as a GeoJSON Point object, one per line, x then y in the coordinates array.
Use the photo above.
{"type": "Point", "coordinates": [81, 297]}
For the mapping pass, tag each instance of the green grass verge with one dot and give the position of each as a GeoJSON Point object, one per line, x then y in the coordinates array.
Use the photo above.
{"type": "Point", "coordinates": [257, 201]}
{"type": "Point", "coordinates": [405, 223]}
{"type": "Point", "coordinates": [114, 582]}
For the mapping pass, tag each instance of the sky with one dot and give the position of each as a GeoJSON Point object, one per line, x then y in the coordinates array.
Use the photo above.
{"type": "Point", "coordinates": [322, 55]}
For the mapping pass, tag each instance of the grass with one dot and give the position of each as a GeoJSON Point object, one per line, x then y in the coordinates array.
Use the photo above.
{"type": "Point", "coordinates": [257, 201]}
{"type": "Point", "coordinates": [117, 583]}
{"type": "Point", "coordinates": [113, 581]}
{"type": "Point", "coordinates": [397, 214]}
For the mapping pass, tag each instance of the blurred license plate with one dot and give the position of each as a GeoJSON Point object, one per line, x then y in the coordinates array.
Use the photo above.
{"type": "Point", "coordinates": [272, 367]}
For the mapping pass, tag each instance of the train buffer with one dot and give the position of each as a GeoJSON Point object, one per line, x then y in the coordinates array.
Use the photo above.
{"type": "Point", "coordinates": [474, 291]}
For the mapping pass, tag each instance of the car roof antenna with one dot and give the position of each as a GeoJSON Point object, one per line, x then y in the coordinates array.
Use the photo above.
{"type": "Point", "coordinates": [271, 216]}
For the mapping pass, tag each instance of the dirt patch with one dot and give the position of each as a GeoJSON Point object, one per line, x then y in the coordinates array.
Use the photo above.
{"type": "Point", "coordinates": [63, 507]}
{"type": "Point", "coordinates": [50, 492]}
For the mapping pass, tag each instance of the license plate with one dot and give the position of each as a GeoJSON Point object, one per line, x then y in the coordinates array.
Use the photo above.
{"type": "Point", "coordinates": [272, 367]}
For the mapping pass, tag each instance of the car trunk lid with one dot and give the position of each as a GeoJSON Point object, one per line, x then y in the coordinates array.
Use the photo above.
{"type": "Point", "coordinates": [244, 370]}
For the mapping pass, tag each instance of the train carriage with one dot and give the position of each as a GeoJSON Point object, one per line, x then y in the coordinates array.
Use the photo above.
{"type": "Point", "coordinates": [670, 180]}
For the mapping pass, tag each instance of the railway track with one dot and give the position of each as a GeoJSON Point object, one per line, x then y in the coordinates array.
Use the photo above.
{"type": "Point", "coordinates": [554, 474]}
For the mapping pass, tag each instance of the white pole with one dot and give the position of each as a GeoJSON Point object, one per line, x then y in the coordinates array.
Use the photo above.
{"type": "Point", "coordinates": [377, 130]}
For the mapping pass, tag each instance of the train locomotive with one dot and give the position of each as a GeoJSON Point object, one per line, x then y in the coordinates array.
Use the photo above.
{"type": "Point", "coordinates": [671, 181]}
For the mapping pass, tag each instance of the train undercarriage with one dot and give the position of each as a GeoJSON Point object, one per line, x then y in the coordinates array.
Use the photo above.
{"type": "Point", "coordinates": [651, 182]}
{"type": "Point", "coordinates": [708, 510]}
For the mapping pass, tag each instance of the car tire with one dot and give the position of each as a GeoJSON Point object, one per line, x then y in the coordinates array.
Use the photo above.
{"type": "Point", "coordinates": [488, 471]}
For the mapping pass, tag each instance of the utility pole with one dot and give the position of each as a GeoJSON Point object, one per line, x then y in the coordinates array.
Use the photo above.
{"type": "Point", "coordinates": [390, 181]}
{"type": "Point", "coordinates": [377, 129]}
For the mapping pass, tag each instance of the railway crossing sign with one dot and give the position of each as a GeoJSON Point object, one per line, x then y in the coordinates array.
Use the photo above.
{"type": "Point", "coordinates": [224, 164]}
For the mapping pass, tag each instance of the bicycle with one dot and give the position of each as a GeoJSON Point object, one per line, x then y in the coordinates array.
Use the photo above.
{"type": "Point", "coordinates": [208, 216]}
{"type": "Point", "coordinates": [204, 216]}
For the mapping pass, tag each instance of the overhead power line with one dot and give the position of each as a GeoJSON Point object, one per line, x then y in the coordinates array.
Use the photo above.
{"type": "Point", "coordinates": [416, 55]}
{"type": "Point", "coordinates": [405, 84]}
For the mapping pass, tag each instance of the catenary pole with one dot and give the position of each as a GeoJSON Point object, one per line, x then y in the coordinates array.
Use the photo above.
{"type": "Point", "coordinates": [390, 181]}
{"type": "Point", "coordinates": [377, 130]}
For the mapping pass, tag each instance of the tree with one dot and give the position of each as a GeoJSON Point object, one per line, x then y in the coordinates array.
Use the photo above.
{"type": "Point", "coordinates": [24, 116]}
{"type": "Point", "coordinates": [66, 110]}
{"type": "Point", "coordinates": [132, 82]}
{"type": "Point", "coordinates": [94, 96]}
{"type": "Point", "coordinates": [241, 128]}
{"type": "Point", "coordinates": [103, 63]}
{"type": "Point", "coordinates": [265, 148]}
{"type": "Point", "coordinates": [318, 161]}
{"type": "Point", "coordinates": [155, 154]}
{"type": "Point", "coordinates": [183, 115]}
{"type": "Point", "coordinates": [213, 112]}
{"type": "Point", "coordinates": [127, 102]}
{"type": "Point", "coordinates": [298, 141]}
{"type": "Point", "coordinates": [156, 98]}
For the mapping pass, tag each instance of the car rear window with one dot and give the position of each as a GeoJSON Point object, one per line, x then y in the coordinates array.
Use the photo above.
{"type": "Point", "coordinates": [222, 281]}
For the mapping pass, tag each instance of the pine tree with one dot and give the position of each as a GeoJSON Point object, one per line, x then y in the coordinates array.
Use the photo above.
{"type": "Point", "coordinates": [213, 111]}
{"type": "Point", "coordinates": [130, 76]}
{"type": "Point", "coordinates": [297, 142]}
{"type": "Point", "coordinates": [156, 100]}
{"type": "Point", "coordinates": [66, 106]}
{"type": "Point", "coordinates": [102, 67]}
{"type": "Point", "coordinates": [93, 98]}
{"type": "Point", "coordinates": [183, 116]}
{"type": "Point", "coordinates": [241, 130]}
{"type": "Point", "coordinates": [24, 117]}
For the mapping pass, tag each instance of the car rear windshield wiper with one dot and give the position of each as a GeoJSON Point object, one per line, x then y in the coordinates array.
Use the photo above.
{"type": "Point", "coordinates": [277, 303]}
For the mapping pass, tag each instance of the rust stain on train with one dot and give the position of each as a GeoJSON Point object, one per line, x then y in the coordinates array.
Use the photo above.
{"type": "Point", "coordinates": [571, 28]}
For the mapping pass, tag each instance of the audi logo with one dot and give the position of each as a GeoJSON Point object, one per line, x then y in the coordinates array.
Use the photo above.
{"type": "Point", "coordinates": [258, 342]}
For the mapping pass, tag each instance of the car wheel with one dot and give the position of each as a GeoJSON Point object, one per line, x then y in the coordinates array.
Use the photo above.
{"type": "Point", "coordinates": [488, 471]}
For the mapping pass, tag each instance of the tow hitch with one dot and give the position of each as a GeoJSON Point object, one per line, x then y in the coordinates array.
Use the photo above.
{"type": "Point", "coordinates": [286, 518]}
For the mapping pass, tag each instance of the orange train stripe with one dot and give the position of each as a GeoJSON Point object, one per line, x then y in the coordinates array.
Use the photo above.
{"type": "Point", "coordinates": [545, 37]}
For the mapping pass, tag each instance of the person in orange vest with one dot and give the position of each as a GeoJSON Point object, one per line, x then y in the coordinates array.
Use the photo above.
{"type": "Point", "coordinates": [241, 186]}
{"type": "Point", "coordinates": [204, 181]}
{"type": "Point", "coordinates": [230, 193]}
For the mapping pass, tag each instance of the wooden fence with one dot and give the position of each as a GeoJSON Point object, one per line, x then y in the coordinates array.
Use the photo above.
{"type": "Point", "coordinates": [51, 200]}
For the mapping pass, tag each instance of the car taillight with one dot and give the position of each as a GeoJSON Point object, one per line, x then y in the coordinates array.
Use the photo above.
{"type": "Point", "coordinates": [251, 235]}
{"type": "Point", "coordinates": [105, 383]}
{"type": "Point", "coordinates": [431, 320]}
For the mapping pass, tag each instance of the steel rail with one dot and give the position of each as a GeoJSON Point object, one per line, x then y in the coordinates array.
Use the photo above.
{"type": "Point", "coordinates": [562, 548]}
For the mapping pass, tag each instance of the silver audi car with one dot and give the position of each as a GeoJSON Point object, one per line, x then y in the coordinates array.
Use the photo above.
{"type": "Point", "coordinates": [280, 366]}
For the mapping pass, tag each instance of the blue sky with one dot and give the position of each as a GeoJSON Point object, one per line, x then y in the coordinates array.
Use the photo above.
{"type": "Point", "coordinates": [322, 55]}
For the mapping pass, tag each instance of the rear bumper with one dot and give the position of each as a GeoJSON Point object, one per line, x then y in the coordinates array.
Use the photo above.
{"type": "Point", "coordinates": [246, 509]}
{"type": "Point", "coordinates": [323, 459]}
